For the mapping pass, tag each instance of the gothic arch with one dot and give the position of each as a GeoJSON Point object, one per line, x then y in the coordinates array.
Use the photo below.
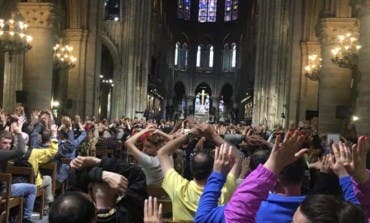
{"type": "Point", "coordinates": [112, 49]}
{"type": "Point", "coordinates": [203, 86]}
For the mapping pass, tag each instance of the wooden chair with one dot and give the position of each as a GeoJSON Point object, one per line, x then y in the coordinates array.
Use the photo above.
{"type": "Point", "coordinates": [61, 187]}
{"type": "Point", "coordinates": [50, 169]}
{"type": "Point", "coordinates": [8, 202]}
{"type": "Point", "coordinates": [164, 199]}
{"type": "Point", "coordinates": [28, 172]}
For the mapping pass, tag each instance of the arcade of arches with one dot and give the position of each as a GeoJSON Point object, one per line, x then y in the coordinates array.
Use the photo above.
{"type": "Point", "coordinates": [234, 60]}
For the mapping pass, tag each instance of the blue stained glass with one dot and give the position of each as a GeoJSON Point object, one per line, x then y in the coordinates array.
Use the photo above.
{"type": "Point", "coordinates": [228, 10]}
{"type": "Point", "coordinates": [180, 9]}
{"type": "Point", "coordinates": [207, 11]}
{"type": "Point", "coordinates": [187, 8]}
{"type": "Point", "coordinates": [231, 10]}
{"type": "Point", "coordinates": [184, 9]}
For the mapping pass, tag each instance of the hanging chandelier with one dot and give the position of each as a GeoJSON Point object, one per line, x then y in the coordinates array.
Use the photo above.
{"type": "Point", "coordinates": [313, 68]}
{"type": "Point", "coordinates": [13, 36]}
{"type": "Point", "coordinates": [345, 54]}
{"type": "Point", "coordinates": [63, 58]}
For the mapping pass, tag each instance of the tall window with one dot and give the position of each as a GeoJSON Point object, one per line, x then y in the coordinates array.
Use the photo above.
{"type": "Point", "coordinates": [229, 57]}
{"type": "Point", "coordinates": [181, 56]}
{"type": "Point", "coordinates": [231, 10]}
{"type": "Point", "coordinates": [205, 57]}
{"type": "Point", "coordinates": [211, 56]}
{"type": "Point", "coordinates": [199, 54]}
{"type": "Point", "coordinates": [177, 47]}
{"type": "Point", "coordinates": [183, 9]}
{"type": "Point", "coordinates": [207, 11]}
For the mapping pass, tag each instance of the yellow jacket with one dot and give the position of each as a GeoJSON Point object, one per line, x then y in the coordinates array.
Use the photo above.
{"type": "Point", "coordinates": [40, 156]}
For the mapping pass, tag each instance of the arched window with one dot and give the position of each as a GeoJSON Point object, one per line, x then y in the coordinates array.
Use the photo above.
{"type": "Point", "coordinates": [177, 48]}
{"type": "Point", "coordinates": [231, 10]}
{"type": "Point", "coordinates": [184, 9]}
{"type": "Point", "coordinates": [211, 56]}
{"type": "Point", "coordinates": [229, 57]}
{"type": "Point", "coordinates": [207, 11]}
{"type": "Point", "coordinates": [233, 55]}
{"type": "Point", "coordinates": [181, 56]}
{"type": "Point", "coordinates": [205, 57]}
{"type": "Point", "coordinates": [112, 10]}
{"type": "Point", "coordinates": [199, 54]}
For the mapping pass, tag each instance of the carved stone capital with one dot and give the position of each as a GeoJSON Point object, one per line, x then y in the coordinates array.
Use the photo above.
{"type": "Point", "coordinates": [38, 15]}
{"type": "Point", "coordinates": [309, 48]}
{"type": "Point", "coordinates": [330, 28]}
{"type": "Point", "coordinates": [75, 34]}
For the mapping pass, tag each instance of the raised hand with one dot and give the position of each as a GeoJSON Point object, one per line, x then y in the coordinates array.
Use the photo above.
{"type": "Point", "coordinates": [341, 160]}
{"type": "Point", "coordinates": [224, 159]}
{"type": "Point", "coordinates": [285, 153]}
{"type": "Point", "coordinates": [115, 181]}
{"type": "Point", "coordinates": [325, 164]}
{"type": "Point", "coordinates": [81, 162]}
{"type": "Point", "coordinates": [152, 213]}
{"type": "Point", "coordinates": [358, 165]}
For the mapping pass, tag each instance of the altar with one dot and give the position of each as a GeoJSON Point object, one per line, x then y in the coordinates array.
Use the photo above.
{"type": "Point", "coordinates": [201, 107]}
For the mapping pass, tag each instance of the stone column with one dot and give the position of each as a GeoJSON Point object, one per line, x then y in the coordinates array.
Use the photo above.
{"type": "Point", "coordinates": [13, 80]}
{"type": "Point", "coordinates": [335, 82]}
{"type": "Point", "coordinates": [136, 57]}
{"type": "Point", "coordinates": [272, 74]}
{"type": "Point", "coordinates": [76, 89]}
{"type": "Point", "coordinates": [362, 109]}
{"type": "Point", "coordinates": [310, 87]}
{"type": "Point", "coordinates": [39, 60]}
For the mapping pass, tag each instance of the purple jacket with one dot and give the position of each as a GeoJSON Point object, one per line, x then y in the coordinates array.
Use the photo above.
{"type": "Point", "coordinates": [362, 192]}
{"type": "Point", "coordinates": [255, 189]}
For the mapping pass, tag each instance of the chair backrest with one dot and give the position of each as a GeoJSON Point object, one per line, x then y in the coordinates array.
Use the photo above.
{"type": "Point", "coordinates": [51, 170]}
{"type": "Point", "coordinates": [22, 171]}
{"type": "Point", "coordinates": [6, 180]}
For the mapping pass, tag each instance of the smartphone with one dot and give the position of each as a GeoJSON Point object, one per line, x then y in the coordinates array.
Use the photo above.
{"type": "Point", "coordinates": [332, 138]}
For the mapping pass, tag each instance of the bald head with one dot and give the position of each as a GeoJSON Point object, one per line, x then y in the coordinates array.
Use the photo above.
{"type": "Point", "coordinates": [72, 207]}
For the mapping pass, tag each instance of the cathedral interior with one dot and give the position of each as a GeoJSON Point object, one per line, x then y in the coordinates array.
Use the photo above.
{"type": "Point", "coordinates": [257, 61]}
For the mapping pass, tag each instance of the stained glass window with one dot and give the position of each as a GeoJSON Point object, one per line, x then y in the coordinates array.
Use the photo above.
{"type": "Point", "coordinates": [207, 11]}
{"type": "Point", "coordinates": [183, 9]}
{"type": "Point", "coordinates": [231, 10]}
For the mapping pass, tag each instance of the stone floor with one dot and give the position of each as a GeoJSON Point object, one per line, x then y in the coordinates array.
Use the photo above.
{"type": "Point", "coordinates": [36, 218]}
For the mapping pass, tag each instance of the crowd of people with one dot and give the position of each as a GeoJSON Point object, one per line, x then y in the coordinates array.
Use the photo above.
{"type": "Point", "coordinates": [211, 172]}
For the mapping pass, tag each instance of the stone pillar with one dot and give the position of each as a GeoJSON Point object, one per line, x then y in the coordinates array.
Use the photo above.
{"type": "Point", "coordinates": [335, 82]}
{"type": "Point", "coordinates": [362, 109]}
{"type": "Point", "coordinates": [273, 69]}
{"type": "Point", "coordinates": [13, 80]}
{"type": "Point", "coordinates": [38, 68]}
{"type": "Point", "coordinates": [310, 87]}
{"type": "Point", "coordinates": [136, 57]}
{"type": "Point", "coordinates": [76, 89]}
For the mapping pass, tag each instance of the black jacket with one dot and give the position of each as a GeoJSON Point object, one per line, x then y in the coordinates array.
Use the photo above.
{"type": "Point", "coordinates": [131, 206]}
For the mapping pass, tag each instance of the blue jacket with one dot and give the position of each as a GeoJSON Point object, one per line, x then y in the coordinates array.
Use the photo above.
{"type": "Point", "coordinates": [67, 149]}
{"type": "Point", "coordinates": [279, 208]}
{"type": "Point", "coordinates": [208, 211]}
{"type": "Point", "coordinates": [276, 208]}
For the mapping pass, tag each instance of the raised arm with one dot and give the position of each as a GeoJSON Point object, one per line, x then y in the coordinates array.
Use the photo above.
{"type": "Point", "coordinates": [247, 198]}
{"type": "Point", "coordinates": [169, 148]}
{"type": "Point", "coordinates": [130, 142]}
{"type": "Point", "coordinates": [6, 155]}
{"type": "Point", "coordinates": [208, 210]}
